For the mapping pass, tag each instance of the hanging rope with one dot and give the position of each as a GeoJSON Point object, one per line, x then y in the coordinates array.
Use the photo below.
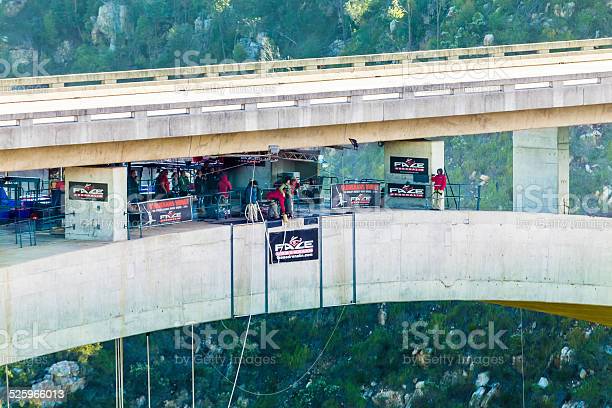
{"type": "Point", "coordinates": [116, 375]}
{"type": "Point", "coordinates": [252, 222]}
{"type": "Point", "coordinates": [6, 374]}
{"type": "Point", "coordinates": [192, 368]}
{"type": "Point", "coordinates": [522, 357]}
{"type": "Point", "coordinates": [301, 377]}
{"type": "Point", "coordinates": [119, 373]}
{"type": "Point", "coordinates": [148, 373]}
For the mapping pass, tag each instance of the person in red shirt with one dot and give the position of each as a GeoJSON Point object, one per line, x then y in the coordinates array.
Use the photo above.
{"type": "Point", "coordinates": [439, 185]}
{"type": "Point", "coordinates": [279, 196]}
{"type": "Point", "coordinates": [224, 186]}
{"type": "Point", "coordinates": [162, 185]}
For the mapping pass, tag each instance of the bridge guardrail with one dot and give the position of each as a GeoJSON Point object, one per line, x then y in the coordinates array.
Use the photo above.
{"type": "Point", "coordinates": [309, 64]}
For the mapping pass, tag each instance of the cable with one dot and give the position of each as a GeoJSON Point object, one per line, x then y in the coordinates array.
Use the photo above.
{"type": "Point", "coordinates": [229, 403]}
{"type": "Point", "coordinates": [148, 373]}
{"type": "Point", "coordinates": [192, 368]}
{"type": "Point", "coordinates": [293, 384]}
{"type": "Point", "coordinates": [522, 357]}
{"type": "Point", "coordinates": [8, 388]}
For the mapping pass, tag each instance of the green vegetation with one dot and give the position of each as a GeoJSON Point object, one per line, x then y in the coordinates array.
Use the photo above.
{"type": "Point", "coordinates": [96, 35]}
{"type": "Point", "coordinates": [358, 356]}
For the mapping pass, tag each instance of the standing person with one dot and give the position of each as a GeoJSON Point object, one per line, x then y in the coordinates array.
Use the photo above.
{"type": "Point", "coordinates": [251, 197]}
{"type": "Point", "coordinates": [175, 183]}
{"type": "Point", "coordinates": [133, 187]}
{"type": "Point", "coordinates": [224, 186]}
{"type": "Point", "coordinates": [439, 185]}
{"type": "Point", "coordinates": [294, 187]}
{"type": "Point", "coordinates": [183, 184]}
{"type": "Point", "coordinates": [162, 185]}
{"type": "Point", "coordinates": [285, 188]}
{"type": "Point", "coordinates": [56, 196]}
{"type": "Point", "coordinates": [200, 187]}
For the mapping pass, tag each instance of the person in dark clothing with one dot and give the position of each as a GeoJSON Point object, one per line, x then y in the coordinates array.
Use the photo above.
{"type": "Point", "coordinates": [183, 184]}
{"type": "Point", "coordinates": [200, 187]}
{"type": "Point", "coordinates": [133, 187]}
{"type": "Point", "coordinates": [250, 199]}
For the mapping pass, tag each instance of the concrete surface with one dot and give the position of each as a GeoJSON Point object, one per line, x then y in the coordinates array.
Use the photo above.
{"type": "Point", "coordinates": [540, 170]}
{"type": "Point", "coordinates": [125, 288]}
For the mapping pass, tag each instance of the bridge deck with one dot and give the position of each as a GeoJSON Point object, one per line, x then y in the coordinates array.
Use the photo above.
{"type": "Point", "coordinates": [304, 83]}
{"type": "Point", "coordinates": [11, 254]}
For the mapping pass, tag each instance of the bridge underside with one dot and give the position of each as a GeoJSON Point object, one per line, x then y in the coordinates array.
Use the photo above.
{"type": "Point", "coordinates": [591, 313]}
{"type": "Point", "coordinates": [162, 148]}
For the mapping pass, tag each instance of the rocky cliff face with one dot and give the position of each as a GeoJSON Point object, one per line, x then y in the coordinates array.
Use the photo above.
{"type": "Point", "coordinates": [12, 7]}
{"type": "Point", "coordinates": [112, 21]}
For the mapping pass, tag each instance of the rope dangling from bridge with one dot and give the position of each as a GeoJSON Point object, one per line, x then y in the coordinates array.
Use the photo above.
{"type": "Point", "coordinates": [192, 367]}
{"type": "Point", "coordinates": [252, 222]}
{"type": "Point", "coordinates": [148, 373]}
{"type": "Point", "coordinates": [522, 356]}
{"type": "Point", "coordinates": [8, 388]}
{"type": "Point", "coordinates": [119, 373]}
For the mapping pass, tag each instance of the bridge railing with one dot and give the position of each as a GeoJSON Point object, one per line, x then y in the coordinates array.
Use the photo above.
{"type": "Point", "coordinates": [308, 64]}
{"type": "Point", "coordinates": [301, 100]}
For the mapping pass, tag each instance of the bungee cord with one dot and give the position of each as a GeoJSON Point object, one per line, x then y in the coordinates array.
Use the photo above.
{"type": "Point", "coordinates": [252, 222]}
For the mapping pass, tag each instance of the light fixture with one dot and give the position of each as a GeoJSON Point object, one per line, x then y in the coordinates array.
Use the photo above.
{"type": "Point", "coordinates": [274, 149]}
{"type": "Point", "coordinates": [354, 143]}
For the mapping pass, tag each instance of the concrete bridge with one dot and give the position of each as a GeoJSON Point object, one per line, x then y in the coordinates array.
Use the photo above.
{"type": "Point", "coordinates": [117, 117]}
{"type": "Point", "coordinates": [73, 295]}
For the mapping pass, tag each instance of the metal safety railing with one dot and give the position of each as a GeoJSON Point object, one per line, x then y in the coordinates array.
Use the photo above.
{"type": "Point", "coordinates": [214, 206]}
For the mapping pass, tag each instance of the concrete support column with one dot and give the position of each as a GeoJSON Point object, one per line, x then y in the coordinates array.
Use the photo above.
{"type": "Point", "coordinates": [408, 167]}
{"type": "Point", "coordinates": [540, 170]}
{"type": "Point", "coordinates": [96, 202]}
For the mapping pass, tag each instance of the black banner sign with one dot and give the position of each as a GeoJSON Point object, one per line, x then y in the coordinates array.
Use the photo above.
{"type": "Point", "coordinates": [293, 246]}
{"type": "Point", "coordinates": [409, 165]}
{"type": "Point", "coordinates": [78, 190]}
{"type": "Point", "coordinates": [355, 195]}
{"type": "Point", "coordinates": [162, 212]}
{"type": "Point", "coordinates": [406, 190]}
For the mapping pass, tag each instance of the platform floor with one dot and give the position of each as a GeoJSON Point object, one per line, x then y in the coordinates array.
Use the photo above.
{"type": "Point", "coordinates": [47, 244]}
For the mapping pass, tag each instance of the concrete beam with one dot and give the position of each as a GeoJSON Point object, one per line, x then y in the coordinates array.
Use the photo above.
{"type": "Point", "coordinates": [154, 149]}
